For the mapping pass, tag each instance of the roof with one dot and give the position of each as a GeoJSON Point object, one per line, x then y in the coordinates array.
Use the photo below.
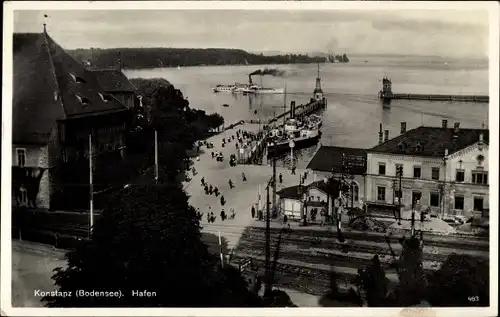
{"type": "Point", "coordinates": [293, 191]}
{"type": "Point", "coordinates": [113, 80]}
{"type": "Point", "coordinates": [329, 159]}
{"type": "Point", "coordinates": [431, 141]}
{"type": "Point", "coordinates": [44, 88]}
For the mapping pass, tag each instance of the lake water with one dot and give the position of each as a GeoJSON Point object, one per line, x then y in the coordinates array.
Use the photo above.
{"type": "Point", "coordinates": [354, 111]}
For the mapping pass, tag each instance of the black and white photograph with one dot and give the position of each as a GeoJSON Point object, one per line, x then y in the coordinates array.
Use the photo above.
{"type": "Point", "coordinates": [220, 156]}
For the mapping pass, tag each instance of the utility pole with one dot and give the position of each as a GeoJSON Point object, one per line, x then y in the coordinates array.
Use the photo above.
{"type": "Point", "coordinates": [275, 209]}
{"type": "Point", "coordinates": [91, 187]}
{"type": "Point", "coordinates": [400, 172]}
{"type": "Point", "coordinates": [268, 286]}
{"type": "Point", "coordinates": [156, 156]}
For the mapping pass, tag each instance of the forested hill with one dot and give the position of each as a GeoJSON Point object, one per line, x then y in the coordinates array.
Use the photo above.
{"type": "Point", "coordinates": [133, 58]}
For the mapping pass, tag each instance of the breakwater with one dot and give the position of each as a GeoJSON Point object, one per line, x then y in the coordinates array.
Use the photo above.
{"type": "Point", "coordinates": [386, 95]}
{"type": "Point", "coordinates": [466, 98]}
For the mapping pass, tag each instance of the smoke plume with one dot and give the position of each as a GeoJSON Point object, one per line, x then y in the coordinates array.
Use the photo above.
{"type": "Point", "coordinates": [268, 71]}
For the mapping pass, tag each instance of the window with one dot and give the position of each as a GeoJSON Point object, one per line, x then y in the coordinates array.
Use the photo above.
{"type": "Point", "coordinates": [355, 190]}
{"type": "Point", "coordinates": [381, 168]}
{"type": "Point", "coordinates": [398, 168]}
{"type": "Point", "coordinates": [381, 193]}
{"type": "Point", "coordinates": [435, 173]}
{"type": "Point", "coordinates": [416, 197]}
{"type": "Point", "coordinates": [417, 171]}
{"type": "Point", "coordinates": [64, 157]}
{"type": "Point", "coordinates": [83, 100]}
{"type": "Point", "coordinates": [460, 176]}
{"type": "Point", "coordinates": [104, 97]}
{"type": "Point", "coordinates": [459, 202]}
{"type": "Point", "coordinates": [23, 196]}
{"type": "Point", "coordinates": [480, 177]}
{"type": "Point", "coordinates": [21, 157]}
{"type": "Point", "coordinates": [434, 199]}
{"type": "Point", "coordinates": [77, 79]}
{"type": "Point", "coordinates": [62, 132]}
{"type": "Point", "coordinates": [317, 197]}
{"type": "Point", "coordinates": [397, 195]}
{"type": "Point", "coordinates": [478, 203]}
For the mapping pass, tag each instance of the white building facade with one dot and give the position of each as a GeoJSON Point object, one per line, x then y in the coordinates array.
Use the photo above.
{"type": "Point", "coordinates": [454, 184]}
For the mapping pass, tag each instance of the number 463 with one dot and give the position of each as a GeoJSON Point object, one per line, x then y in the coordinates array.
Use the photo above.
{"type": "Point", "coordinates": [473, 298]}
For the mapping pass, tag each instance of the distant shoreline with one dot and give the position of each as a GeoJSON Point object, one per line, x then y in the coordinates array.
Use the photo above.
{"type": "Point", "coordinates": [147, 58]}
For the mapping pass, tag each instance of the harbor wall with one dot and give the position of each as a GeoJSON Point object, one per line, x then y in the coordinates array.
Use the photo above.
{"type": "Point", "coordinates": [467, 98]}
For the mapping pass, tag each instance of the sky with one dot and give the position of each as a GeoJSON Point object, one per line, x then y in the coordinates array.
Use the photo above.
{"type": "Point", "coordinates": [442, 33]}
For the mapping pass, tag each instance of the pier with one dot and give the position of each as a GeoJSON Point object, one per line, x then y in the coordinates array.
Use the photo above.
{"type": "Point", "coordinates": [386, 95]}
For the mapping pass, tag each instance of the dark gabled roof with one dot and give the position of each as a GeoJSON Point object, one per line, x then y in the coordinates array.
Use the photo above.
{"type": "Point", "coordinates": [293, 191]}
{"type": "Point", "coordinates": [289, 192]}
{"type": "Point", "coordinates": [113, 80]}
{"type": "Point", "coordinates": [431, 141]}
{"type": "Point", "coordinates": [35, 109]}
{"type": "Point", "coordinates": [329, 159]}
{"type": "Point", "coordinates": [45, 91]}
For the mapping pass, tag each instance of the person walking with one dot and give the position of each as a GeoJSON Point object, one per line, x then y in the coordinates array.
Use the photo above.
{"type": "Point", "coordinates": [293, 170]}
{"type": "Point", "coordinates": [222, 200]}
{"type": "Point", "coordinates": [216, 191]}
{"type": "Point", "coordinates": [230, 182]}
{"type": "Point", "coordinates": [203, 181]}
{"type": "Point", "coordinates": [281, 178]}
{"type": "Point", "coordinates": [210, 189]}
{"type": "Point", "coordinates": [243, 177]}
{"type": "Point", "coordinates": [253, 211]}
{"type": "Point", "coordinates": [285, 219]}
{"type": "Point", "coordinates": [222, 215]}
{"type": "Point", "coordinates": [233, 214]}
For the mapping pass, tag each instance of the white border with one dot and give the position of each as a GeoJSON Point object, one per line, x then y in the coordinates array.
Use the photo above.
{"type": "Point", "coordinates": [6, 267]}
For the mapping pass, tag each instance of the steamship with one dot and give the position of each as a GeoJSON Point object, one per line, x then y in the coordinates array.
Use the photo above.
{"type": "Point", "coordinates": [296, 133]}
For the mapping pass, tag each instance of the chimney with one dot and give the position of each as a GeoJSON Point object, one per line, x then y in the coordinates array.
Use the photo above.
{"type": "Point", "coordinates": [380, 138]}
{"type": "Point", "coordinates": [386, 135]}
{"type": "Point", "coordinates": [380, 128]}
{"type": "Point", "coordinates": [444, 123]}
{"type": "Point", "coordinates": [403, 127]}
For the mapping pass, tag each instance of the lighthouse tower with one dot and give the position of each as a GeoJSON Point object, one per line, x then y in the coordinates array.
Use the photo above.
{"type": "Point", "coordinates": [318, 92]}
{"type": "Point", "coordinates": [386, 92]}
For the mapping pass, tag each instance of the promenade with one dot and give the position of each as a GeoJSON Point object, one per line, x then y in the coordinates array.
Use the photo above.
{"type": "Point", "coordinates": [241, 197]}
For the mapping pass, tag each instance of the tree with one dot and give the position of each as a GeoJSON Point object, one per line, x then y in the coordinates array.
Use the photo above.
{"type": "Point", "coordinates": [462, 280]}
{"type": "Point", "coordinates": [148, 238]}
{"type": "Point", "coordinates": [372, 282]}
{"type": "Point", "coordinates": [412, 281]}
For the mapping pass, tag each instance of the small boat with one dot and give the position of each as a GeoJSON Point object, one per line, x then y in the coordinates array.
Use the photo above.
{"type": "Point", "coordinates": [225, 105]}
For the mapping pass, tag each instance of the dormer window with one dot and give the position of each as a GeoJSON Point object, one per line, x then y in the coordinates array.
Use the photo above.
{"type": "Point", "coordinates": [104, 97]}
{"type": "Point", "coordinates": [419, 147]}
{"type": "Point", "coordinates": [401, 146]}
{"type": "Point", "coordinates": [83, 100]}
{"type": "Point", "coordinates": [78, 79]}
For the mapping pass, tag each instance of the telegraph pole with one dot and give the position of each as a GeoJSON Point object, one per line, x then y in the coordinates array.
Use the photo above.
{"type": "Point", "coordinates": [91, 187]}
{"type": "Point", "coordinates": [275, 209]}
{"type": "Point", "coordinates": [268, 286]}
{"type": "Point", "coordinates": [400, 171]}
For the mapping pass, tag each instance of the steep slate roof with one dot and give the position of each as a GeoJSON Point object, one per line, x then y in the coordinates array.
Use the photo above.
{"type": "Point", "coordinates": [113, 80]}
{"type": "Point", "coordinates": [44, 90]}
{"type": "Point", "coordinates": [433, 141]}
{"type": "Point", "coordinates": [329, 158]}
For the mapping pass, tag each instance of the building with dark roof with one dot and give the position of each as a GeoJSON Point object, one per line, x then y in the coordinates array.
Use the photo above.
{"type": "Point", "coordinates": [114, 82]}
{"type": "Point", "coordinates": [445, 171]}
{"type": "Point", "coordinates": [342, 163]}
{"type": "Point", "coordinates": [316, 195]}
{"type": "Point", "coordinates": [57, 104]}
